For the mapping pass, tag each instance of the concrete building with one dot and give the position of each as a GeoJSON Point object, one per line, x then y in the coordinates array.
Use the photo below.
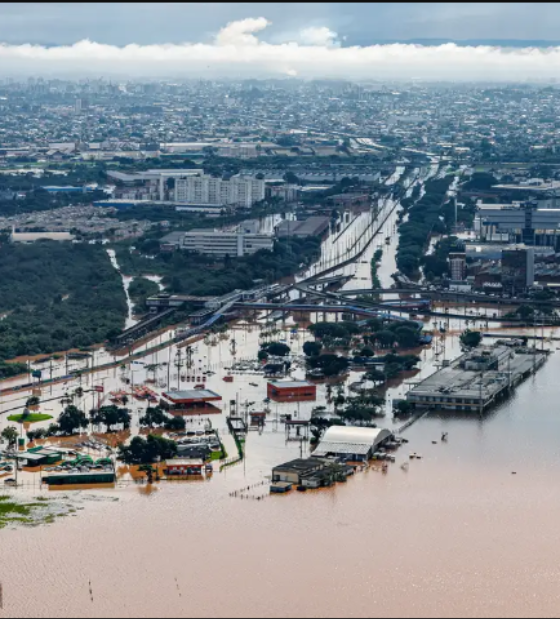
{"type": "Point", "coordinates": [221, 243]}
{"type": "Point", "coordinates": [291, 391]}
{"type": "Point", "coordinates": [286, 192]}
{"type": "Point", "coordinates": [184, 467]}
{"type": "Point", "coordinates": [151, 184]}
{"type": "Point", "coordinates": [351, 443]}
{"type": "Point", "coordinates": [518, 269]}
{"type": "Point", "coordinates": [294, 470]}
{"type": "Point", "coordinates": [205, 189]}
{"type": "Point", "coordinates": [458, 266]}
{"type": "Point", "coordinates": [311, 473]}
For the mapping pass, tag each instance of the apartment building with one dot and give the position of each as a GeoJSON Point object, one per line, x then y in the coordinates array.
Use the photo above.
{"type": "Point", "coordinates": [205, 189]}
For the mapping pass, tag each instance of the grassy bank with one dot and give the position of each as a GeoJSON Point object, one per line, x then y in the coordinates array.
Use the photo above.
{"type": "Point", "coordinates": [30, 418]}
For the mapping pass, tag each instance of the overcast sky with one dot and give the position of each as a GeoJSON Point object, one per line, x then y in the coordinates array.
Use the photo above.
{"type": "Point", "coordinates": [307, 40]}
{"type": "Point", "coordinates": [119, 23]}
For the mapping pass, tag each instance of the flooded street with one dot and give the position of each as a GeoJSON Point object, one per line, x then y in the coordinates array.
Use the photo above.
{"type": "Point", "coordinates": [458, 534]}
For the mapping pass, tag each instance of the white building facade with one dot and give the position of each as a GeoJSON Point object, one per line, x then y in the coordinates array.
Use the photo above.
{"type": "Point", "coordinates": [219, 243]}
{"type": "Point", "coordinates": [205, 189]}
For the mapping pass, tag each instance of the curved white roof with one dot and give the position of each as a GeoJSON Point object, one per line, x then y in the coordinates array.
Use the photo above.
{"type": "Point", "coordinates": [356, 435]}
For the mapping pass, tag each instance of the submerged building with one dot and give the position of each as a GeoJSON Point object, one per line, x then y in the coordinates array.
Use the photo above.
{"type": "Point", "coordinates": [352, 443]}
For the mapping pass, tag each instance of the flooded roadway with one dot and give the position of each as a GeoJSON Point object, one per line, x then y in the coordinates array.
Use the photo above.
{"type": "Point", "coordinates": [457, 535]}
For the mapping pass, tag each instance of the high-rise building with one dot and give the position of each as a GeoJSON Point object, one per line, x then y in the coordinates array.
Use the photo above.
{"type": "Point", "coordinates": [518, 268]}
{"type": "Point", "coordinates": [78, 106]}
{"type": "Point", "coordinates": [458, 265]}
{"type": "Point", "coordinates": [205, 189]}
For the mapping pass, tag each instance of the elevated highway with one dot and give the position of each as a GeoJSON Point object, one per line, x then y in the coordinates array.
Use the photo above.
{"type": "Point", "coordinates": [451, 296]}
{"type": "Point", "coordinates": [395, 310]}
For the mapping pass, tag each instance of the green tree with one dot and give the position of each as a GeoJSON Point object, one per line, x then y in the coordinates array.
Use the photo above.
{"type": "Point", "coordinates": [72, 419]}
{"type": "Point", "coordinates": [176, 423]}
{"type": "Point", "coordinates": [32, 401]}
{"type": "Point", "coordinates": [312, 349]}
{"type": "Point", "coordinates": [277, 348]}
{"type": "Point", "coordinates": [10, 435]}
{"type": "Point", "coordinates": [407, 337]}
{"type": "Point", "coordinates": [141, 451]}
{"type": "Point", "coordinates": [111, 415]}
{"type": "Point", "coordinates": [154, 416]}
{"type": "Point", "coordinates": [471, 338]}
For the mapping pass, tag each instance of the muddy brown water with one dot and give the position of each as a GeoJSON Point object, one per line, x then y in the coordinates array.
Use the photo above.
{"type": "Point", "coordinates": [457, 535]}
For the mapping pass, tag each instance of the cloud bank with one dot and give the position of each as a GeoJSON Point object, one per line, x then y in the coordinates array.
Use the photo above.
{"type": "Point", "coordinates": [316, 52]}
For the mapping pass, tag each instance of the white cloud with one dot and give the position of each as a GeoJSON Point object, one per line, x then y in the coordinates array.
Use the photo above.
{"type": "Point", "coordinates": [237, 51]}
{"type": "Point", "coordinates": [318, 36]}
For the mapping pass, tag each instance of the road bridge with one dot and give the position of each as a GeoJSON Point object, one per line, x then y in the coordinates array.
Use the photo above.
{"type": "Point", "coordinates": [338, 297]}
{"type": "Point", "coordinates": [452, 296]}
{"type": "Point", "coordinates": [143, 327]}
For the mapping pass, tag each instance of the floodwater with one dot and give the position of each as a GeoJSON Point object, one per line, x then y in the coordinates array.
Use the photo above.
{"type": "Point", "coordinates": [458, 535]}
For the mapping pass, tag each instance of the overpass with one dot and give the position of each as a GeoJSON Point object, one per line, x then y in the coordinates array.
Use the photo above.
{"type": "Point", "coordinates": [143, 327]}
{"type": "Point", "coordinates": [164, 300]}
{"type": "Point", "coordinates": [338, 297]}
{"type": "Point", "coordinates": [451, 296]}
{"type": "Point", "coordinates": [307, 307]}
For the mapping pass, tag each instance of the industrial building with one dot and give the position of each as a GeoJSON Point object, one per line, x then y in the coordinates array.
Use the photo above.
{"type": "Point", "coordinates": [352, 443]}
{"type": "Point", "coordinates": [89, 477]}
{"type": "Point", "coordinates": [526, 222]}
{"type": "Point", "coordinates": [315, 226]}
{"type": "Point", "coordinates": [476, 380]}
{"type": "Point", "coordinates": [311, 473]}
{"type": "Point", "coordinates": [291, 391]}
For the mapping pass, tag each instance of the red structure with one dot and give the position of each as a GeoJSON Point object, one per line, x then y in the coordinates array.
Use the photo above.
{"type": "Point", "coordinates": [184, 467]}
{"type": "Point", "coordinates": [190, 402]}
{"type": "Point", "coordinates": [291, 391]}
